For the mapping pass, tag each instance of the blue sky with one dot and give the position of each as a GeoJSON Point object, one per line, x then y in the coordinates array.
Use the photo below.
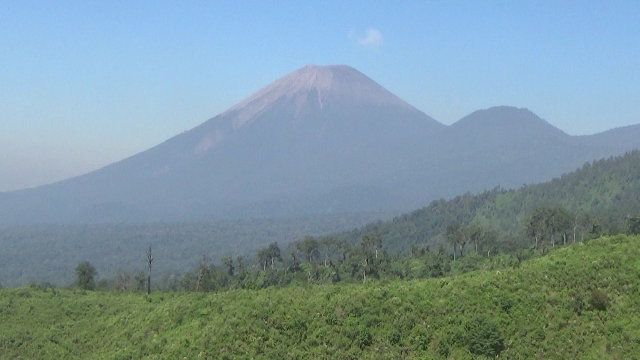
{"type": "Point", "coordinates": [87, 83]}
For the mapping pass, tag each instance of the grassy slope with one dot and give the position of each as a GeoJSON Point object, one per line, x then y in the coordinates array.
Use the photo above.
{"type": "Point", "coordinates": [533, 307]}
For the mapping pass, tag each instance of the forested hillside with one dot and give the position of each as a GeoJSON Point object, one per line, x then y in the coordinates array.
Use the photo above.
{"type": "Point", "coordinates": [580, 301]}
{"type": "Point", "coordinates": [599, 198]}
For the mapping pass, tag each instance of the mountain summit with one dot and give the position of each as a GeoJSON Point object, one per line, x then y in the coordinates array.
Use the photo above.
{"type": "Point", "coordinates": [322, 139]}
{"type": "Point", "coordinates": [325, 83]}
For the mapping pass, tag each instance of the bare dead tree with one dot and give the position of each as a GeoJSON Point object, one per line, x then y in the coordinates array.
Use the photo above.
{"type": "Point", "coordinates": [202, 268]}
{"type": "Point", "coordinates": [364, 270]}
{"type": "Point", "coordinates": [123, 279]}
{"type": "Point", "coordinates": [149, 261]}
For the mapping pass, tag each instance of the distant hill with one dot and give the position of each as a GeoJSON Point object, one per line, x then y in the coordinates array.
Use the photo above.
{"type": "Point", "coordinates": [320, 140]}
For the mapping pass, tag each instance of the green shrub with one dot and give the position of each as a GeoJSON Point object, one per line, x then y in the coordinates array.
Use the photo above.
{"type": "Point", "coordinates": [578, 305]}
{"type": "Point", "coordinates": [364, 337]}
{"type": "Point", "coordinates": [483, 337]}
{"type": "Point", "coordinates": [599, 300]}
{"type": "Point", "coordinates": [420, 338]}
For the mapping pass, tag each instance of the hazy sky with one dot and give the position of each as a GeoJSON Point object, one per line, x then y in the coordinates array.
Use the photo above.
{"type": "Point", "coordinates": [86, 83]}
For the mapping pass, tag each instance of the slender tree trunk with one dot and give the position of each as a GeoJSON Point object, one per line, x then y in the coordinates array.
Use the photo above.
{"type": "Point", "coordinates": [149, 261]}
{"type": "Point", "coordinates": [200, 274]}
{"type": "Point", "coordinates": [454, 252]}
{"type": "Point", "coordinates": [364, 272]}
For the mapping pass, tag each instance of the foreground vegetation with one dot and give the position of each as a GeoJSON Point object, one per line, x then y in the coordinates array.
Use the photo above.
{"type": "Point", "coordinates": [578, 301]}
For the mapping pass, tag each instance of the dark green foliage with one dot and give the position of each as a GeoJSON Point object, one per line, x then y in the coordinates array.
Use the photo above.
{"type": "Point", "coordinates": [364, 336]}
{"type": "Point", "coordinates": [483, 337]}
{"type": "Point", "coordinates": [420, 338]}
{"type": "Point", "coordinates": [634, 225]}
{"type": "Point", "coordinates": [86, 274]}
{"type": "Point", "coordinates": [599, 300]}
{"type": "Point", "coordinates": [578, 304]}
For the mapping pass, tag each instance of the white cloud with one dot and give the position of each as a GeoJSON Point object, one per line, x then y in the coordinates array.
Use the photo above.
{"type": "Point", "coordinates": [372, 38]}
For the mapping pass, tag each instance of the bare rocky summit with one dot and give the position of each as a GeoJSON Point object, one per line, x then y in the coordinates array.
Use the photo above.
{"type": "Point", "coordinates": [328, 82]}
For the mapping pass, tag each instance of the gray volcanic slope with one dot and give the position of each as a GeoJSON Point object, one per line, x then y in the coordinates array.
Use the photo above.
{"type": "Point", "coordinates": [322, 139]}
{"type": "Point", "coordinates": [315, 130]}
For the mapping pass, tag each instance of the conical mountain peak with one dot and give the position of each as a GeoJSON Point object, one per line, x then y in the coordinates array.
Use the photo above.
{"type": "Point", "coordinates": [328, 82]}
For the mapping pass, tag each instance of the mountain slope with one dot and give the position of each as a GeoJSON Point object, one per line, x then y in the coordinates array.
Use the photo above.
{"type": "Point", "coordinates": [313, 131]}
{"type": "Point", "coordinates": [320, 140]}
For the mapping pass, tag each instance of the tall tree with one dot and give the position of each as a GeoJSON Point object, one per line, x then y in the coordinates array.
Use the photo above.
{"type": "Point", "coordinates": [228, 263]}
{"type": "Point", "coordinates": [240, 262]}
{"type": "Point", "coordinates": [536, 224]}
{"type": "Point", "coordinates": [309, 247]}
{"type": "Point", "coordinates": [270, 254]}
{"type": "Point", "coordinates": [559, 221]}
{"type": "Point", "coordinates": [86, 274]}
{"type": "Point", "coordinates": [329, 243]}
{"type": "Point", "coordinates": [371, 243]}
{"type": "Point", "coordinates": [455, 236]}
{"type": "Point", "coordinates": [633, 225]}
{"type": "Point", "coordinates": [274, 254]}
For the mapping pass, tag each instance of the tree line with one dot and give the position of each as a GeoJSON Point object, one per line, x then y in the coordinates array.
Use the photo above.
{"type": "Point", "coordinates": [328, 259]}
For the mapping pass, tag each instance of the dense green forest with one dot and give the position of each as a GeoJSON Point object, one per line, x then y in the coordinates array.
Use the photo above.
{"type": "Point", "coordinates": [578, 301]}
{"type": "Point", "coordinates": [49, 253]}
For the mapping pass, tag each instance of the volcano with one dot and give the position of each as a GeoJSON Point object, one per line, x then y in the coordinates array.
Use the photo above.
{"type": "Point", "coordinates": [320, 140]}
{"type": "Point", "coordinates": [315, 131]}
